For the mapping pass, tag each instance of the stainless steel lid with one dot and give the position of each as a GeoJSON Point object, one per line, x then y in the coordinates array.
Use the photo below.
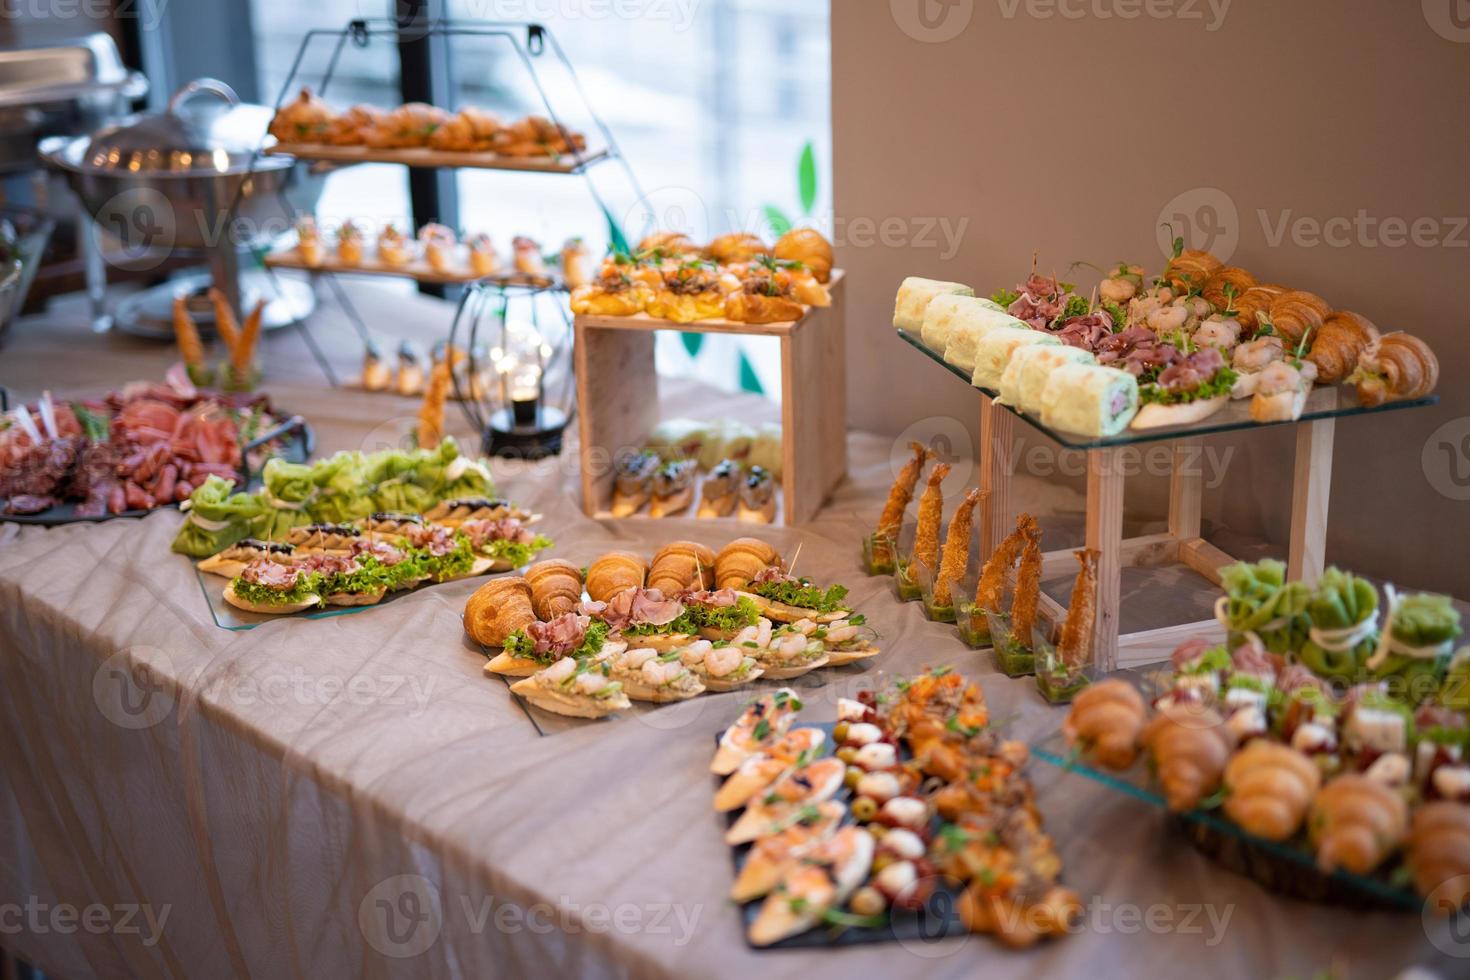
{"type": "Point", "coordinates": [67, 71]}
{"type": "Point", "coordinates": [205, 130]}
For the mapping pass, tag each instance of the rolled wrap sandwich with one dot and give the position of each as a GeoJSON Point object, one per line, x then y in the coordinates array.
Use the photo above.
{"type": "Point", "coordinates": [914, 296]}
{"type": "Point", "coordinates": [994, 352]}
{"type": "Point", "coordinates": [972, 325]}
{"type": "Point", "coordinates": [1025, 376]}
{"type": "Point", "coordinates": [944, 312]}
{"type": "Point", "coordinates": [1089, 399]}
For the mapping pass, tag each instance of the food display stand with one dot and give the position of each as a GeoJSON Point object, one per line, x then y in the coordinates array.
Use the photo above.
{"type": "Point", "coordinates": [1181, 543]}
{"type": "Point", "coordinates": [617, 389]}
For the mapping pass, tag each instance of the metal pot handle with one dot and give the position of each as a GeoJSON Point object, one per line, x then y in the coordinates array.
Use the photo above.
{"type": "Point", "coordinates": [211, 85]}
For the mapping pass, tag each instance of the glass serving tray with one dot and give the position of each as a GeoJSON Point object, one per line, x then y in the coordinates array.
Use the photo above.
{"type": "Point", "coordinates": [236, 620]}
{"type": "Point", "coordinates": [1324, 402]}
{"type": "Point", "coordinates": [938, 918]}
{"type": "Point", "coordinates": [1287, 867]}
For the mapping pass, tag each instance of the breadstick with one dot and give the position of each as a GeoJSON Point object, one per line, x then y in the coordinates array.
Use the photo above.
{"type": "Point", "coordinates": [956, 549]}
{"type": "Point", "coordinates": [431, 413]}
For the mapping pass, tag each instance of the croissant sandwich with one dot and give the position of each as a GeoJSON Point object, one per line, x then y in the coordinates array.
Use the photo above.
{"type": "Point", "coordinates": [1107, 719]}
{"type": "Point", "coordinates": [1357, 823]}
{"type": "Point", "coordinates": [1396, 367]}
{"type": "Point", "coordinates": [742, 560]}
{"type": "Point", "coordinates": [810, 248]}
{"type": "Point", "coordinates": [615, 572]}
{"type": "Point", "coordinates": [1270, 787]}
{"type": "Point", "coordinates": [497, 609]}
{"type": "Point", "coordinates": [681, 565]}
{"type": "Point", "coordinates": [1439, 854]}
{"type": "Point", "coordinates": [1298, 314]}
{"type": "Point", "coordinates": [1190, 748]}
{"type": "Point", "coordinates": [1338, 345]}
{"type": "Point", "coordinates": [556, 588]}
{"type": "Point", "coordinates": [1226, 284]}
{"type": "Point", "coordinates": [1191, 270]}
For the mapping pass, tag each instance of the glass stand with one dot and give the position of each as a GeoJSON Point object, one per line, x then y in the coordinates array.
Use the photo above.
{"type": "Point", "coordinates": [1108, 462]}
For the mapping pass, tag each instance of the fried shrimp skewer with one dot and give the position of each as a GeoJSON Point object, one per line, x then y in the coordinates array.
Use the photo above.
{"type": "Point", "coordinates": [891, 521]}
{"type": "Point", "coordinates": [931, 513]}
{"type": "Point", "coordinates": [956, 549]}
{"type": "Point", "coordinates": [1028, 588]}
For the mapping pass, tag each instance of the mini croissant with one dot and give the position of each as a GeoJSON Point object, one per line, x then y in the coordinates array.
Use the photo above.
{"type": "Point", "coordinates": [1338, 345]}
{"type": "Point", "coordinates": [1271, 786]}
{"type": "Point", "coordinates": [681, 565]}
{"type": "Point", "coordinates": [497, 609]}
{"type": "Point", "coordinates": [1356, 823]}
{"type": "Point", "coordinates": [1439, 854]}
{"type": "Point", "coordinates": [556, 588]}
{"type": "Point", "coordinates": [1238, 281]}
{"type": "Point", "coordinates": [1107, 718]}
{"type": "Point", "coordinates": [1396, 367]}
{"type": "Point", "coordinates": [1298, 314]}
{"type": "Point", "coordinates": [614, 572]}
{"type": "Point", "coordinates": [741, 560]}
{"type": "Point", "coordinates": [1254, 301]}
{"type": "Point", "coordinates": [1190, 748]}
{"type": "Point", "coordinates": [1191, 270]}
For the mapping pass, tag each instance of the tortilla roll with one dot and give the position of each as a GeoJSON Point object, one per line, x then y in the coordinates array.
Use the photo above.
{"type": "Point", "coordinates": [1089, 399]}
{"type": "Point", "coordinates": [945, 312]}
{"type": "Point", "coordinates": [993, 352]}
{"type": "Point", "coordinates": [914, 296]}
{"type": "Point", "coordinates": [1025, 376]}
{"type": "Point", "coordinates": [972, 326]}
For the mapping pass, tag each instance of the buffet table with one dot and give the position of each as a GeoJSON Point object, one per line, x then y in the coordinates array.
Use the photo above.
{"type": "Point", "coordinates": [352, 796]}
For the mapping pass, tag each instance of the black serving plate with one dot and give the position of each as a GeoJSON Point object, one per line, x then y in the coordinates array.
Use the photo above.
{"type": "Point", "coordinates": [935, 920]}
{"type": "Point", "coordinates": [298, 442]}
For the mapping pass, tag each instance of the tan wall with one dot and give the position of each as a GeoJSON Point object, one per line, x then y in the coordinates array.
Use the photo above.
{"type": "Point", "coordinates": [1071, 135]}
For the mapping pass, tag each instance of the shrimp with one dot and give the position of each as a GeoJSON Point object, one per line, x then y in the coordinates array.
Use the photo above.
{"type": "Point", "coordinates": [763, 633]}
{"type": "Point", "coordinates": [559, 671]}
{"type": "Point", "coordinates": [635, 659]}
{"type": "Point", "coordinates": [659, 673]}
{"type": "Point", "coordinates": [697, 653]}
{"type": "Point", "coordinates": [1218, 331]}
{"type": "Point", "coordinates": [1117, 290]}
{"type": "Point", "coordinates": [805, 627]}
{"type": "Point", "coordinates": [841, 631]}
{"type": "Point", "coordinates": [590, 682]}
{"type": "Point", "coordinates": [724, 661]}
{"type": "Point", "coordinates": [792, 646]}
{"type": "Point", "coordinates": [1166, 319]}
{"type": "Point", "coordinates": [1254, 355]}
{"type": "Point", "coordinates": [1276, 377]}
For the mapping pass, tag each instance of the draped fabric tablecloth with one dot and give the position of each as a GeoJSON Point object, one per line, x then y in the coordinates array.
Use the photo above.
{"type": "Point", "coordinates": [352, 796]}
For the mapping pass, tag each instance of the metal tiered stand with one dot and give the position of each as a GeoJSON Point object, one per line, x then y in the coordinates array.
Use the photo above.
{"type": "Point", "coordinates": [1181, 543]}
{"type": "Point", "coordinates": [531, 43]}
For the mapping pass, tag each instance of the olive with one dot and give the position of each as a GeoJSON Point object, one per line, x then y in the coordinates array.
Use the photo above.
{"type": "Point", "coordinates": [867, 900]}
{"type": "Point", "coordinates": [881, 861]}
{"type": "Point", "coordinates": [839, 731]}
{"type": "Point", "coordinates": [847, 754]}
{"type": "Point", "coordinates": [852, 777]}
{"type": "Point", "coordinates": [864, 808]}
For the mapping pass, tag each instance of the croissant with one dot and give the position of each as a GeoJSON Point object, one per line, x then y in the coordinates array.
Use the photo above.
{"type": "Point", "coordinates": [1338, 345]}
{"type": "Point", "coordinates": [810, 248]}
{"type": "Point", "coordinates": [1439, 854]}
{"type": "Point", "coordinates": [1395, 367]}
{"type": "Point", "coordinates": [614, 572]}
{"type": "Point", "coordinates": [469, 129]}
{"type": "Point", "coordinates": [497, 609]}
{"type": "Point", "coordinates": [744, 307]}
{"type": "Point", "coordinates": [741, 560]}
{"type": "Point", "coordinates": [899, 495]}
{"type": "Point", "coordinates": [1106, 718]}
{"type": "Point", "coordinates": [1254, 301]}
{"type": "Point", "coordinates": [736, 247]}
{"type": "Point", "coordinates": [1356, 823]}
{"type": "Point", "coordinates": [351, 127]}
{"type": "Point", "coordinates": [956, 557]}
{"type": "Point", "coordinates": [931, 512]}
{"type": "Point", "coordinates": [1238, 281]}
{"type": "Point", "coordinates": [681, 565]}
{"type": "Point", "coordinates": [1271, 785]}
{"type": "Point", "coordinates": [556, 588]}
{"type": "Point", "coordinates": [671, 242]}
{"type": "Point", "coordinates": [594, 300]}
{"type": "Point", "coordinates": [304, 120]}
{"type": "Point", "coordinates": [1190, 748]}
{"type": "Point", "coordinates": [1191, 269]}
{"type": "Point", "coordinates": [1298, 314]}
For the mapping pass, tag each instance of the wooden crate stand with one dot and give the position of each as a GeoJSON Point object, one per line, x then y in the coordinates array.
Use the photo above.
{"type": "Point", "coordinates": [617, 398]}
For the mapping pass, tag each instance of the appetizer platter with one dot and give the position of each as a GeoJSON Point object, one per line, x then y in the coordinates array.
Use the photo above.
{"type": "Point", "coordinates": [1315, 750]}
{"type": "Point", "coordinates": [352, 565]}
{"type": "Point", "coordinates": [130, 451]}
{"type": "Point", "coordinates": [420, 135]}
{"type": "Point", "coordinates": [735, 284]}
{"type": "Point", "coordinates": [706, 470]}
{"type": "Point", "coordinates": [437, 254]}
{"type": "Point", "coordinates": [909, 819]}
{"type": "Point", "coordinates": [589, 643]}
{"type": "Point", "coordinates": [735, 279]}
{"type": "Point", "coordinates": [1170, 355]}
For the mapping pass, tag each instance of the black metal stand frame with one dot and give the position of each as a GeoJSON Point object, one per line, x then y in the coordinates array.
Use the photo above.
{"type": "Point", "coordinates": [531, 42]}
